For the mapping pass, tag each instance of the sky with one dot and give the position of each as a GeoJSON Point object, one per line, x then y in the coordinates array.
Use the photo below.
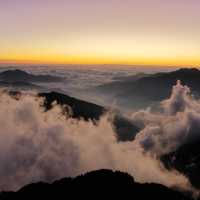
{"type": "Point", "coordinates": [138, 32]}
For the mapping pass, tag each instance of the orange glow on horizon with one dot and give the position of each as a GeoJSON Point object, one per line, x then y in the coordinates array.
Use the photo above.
{"type": "Point", "coordinates": [125, 32]}
{"type": "Point", "coordinates": [97, 60]}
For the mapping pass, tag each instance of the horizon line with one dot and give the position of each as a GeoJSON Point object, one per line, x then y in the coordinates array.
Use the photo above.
{"type": "Point", "coordinates": [14, 63]}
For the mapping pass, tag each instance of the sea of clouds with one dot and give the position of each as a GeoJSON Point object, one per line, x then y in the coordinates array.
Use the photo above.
{"type": "Point", "coordinates": [44, 146]}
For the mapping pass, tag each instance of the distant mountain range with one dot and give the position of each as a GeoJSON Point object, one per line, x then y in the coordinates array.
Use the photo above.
{"type": "Point", "coordinates": [143, 90]}
{"type": "Point", "coordinates": [102, 184]}
{"type": "Point", "coordinates": [17, 75]}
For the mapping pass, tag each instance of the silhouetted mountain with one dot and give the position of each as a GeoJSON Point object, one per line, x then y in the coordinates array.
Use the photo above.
{"type": "Point", "coordinates": [89, 111]}
{"type": "Point", "coordinates": [99, 184]}
{"type": "Point", "coordinates": [150, 88]}
{"type": "Point", "coordinates": [130, 78]}
{"type": "Point", "coordinates": [19, 85]}
{"type": "Point", "coordinates": [81, 109]}
{"type": "Point", "coordinates": [22, 76]}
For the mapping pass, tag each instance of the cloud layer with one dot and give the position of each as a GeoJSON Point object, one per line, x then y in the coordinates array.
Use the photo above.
{"type": "Point", "coordinates": [44, 146]}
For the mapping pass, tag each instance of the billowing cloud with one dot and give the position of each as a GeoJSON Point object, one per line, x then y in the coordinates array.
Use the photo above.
{"type": "Point", "coordinates": [178, 122]}
{"type": "Point", "coordinates": [44, 146]}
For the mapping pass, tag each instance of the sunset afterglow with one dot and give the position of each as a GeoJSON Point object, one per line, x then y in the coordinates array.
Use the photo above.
{"type": "Point", "coordinates": [100, 32]}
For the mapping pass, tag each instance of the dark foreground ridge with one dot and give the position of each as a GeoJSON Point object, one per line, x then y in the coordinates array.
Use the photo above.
{"type": "Point", "coordinates": [102, 183]}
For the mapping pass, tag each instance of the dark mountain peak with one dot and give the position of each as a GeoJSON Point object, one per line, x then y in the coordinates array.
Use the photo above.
{"type": "Point", "coordinates": [102, 183]}
{"type": "Point", "coordinates": [9, 75]}
{"type": "Point", "coordinates": [124, 128]}
{"type": "Point", "coordinates": [80, 108]}
{"type": "Point", "coordinates": [182, 73]}
{"type": "Point", "coordinates": [20, 75]}
{"type": "Point", "coordinates": [15, 71]}
{"type": "Point", "coordinates": [187, 70]}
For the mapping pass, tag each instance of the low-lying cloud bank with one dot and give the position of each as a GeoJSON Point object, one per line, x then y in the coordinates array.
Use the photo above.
{"type": "Point", "coordinates": [44, 146]}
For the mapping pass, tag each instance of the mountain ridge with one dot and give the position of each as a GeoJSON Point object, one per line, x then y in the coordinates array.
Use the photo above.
{"type": "Point", "coordinates": [103, 183]}
{"type": "Point", "coordinates": [17, 75]}
{"type": "Point", "coordinates": [147, 90]}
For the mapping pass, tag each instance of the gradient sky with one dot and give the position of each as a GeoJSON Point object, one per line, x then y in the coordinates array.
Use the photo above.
{"type": "Point", "coordinates": [146, 32]}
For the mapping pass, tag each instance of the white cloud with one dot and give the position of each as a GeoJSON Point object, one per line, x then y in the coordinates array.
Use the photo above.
{"type": "Point", "coordinates": [44, 146]}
